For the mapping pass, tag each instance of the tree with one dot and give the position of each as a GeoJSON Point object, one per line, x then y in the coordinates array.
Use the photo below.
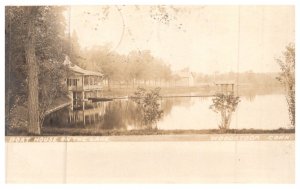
{"type": "Point", "coordinates": [36, 45]}
{"type": "Point", "coordinates": [102, 60]}
{"type": "Point", "coordinates": [52, 76]}
{"type": "Point", "coordinates": [75, 50]}
{"type": "Point", "coordinates": [225, 104]}
{"type": "Point", "coordinates": [135, 66]}
{"type": "Point", "coordinates": [15, 66]}
{"type": "Point", "coordinates": [50, 52]}
{"type": "Point", "coordinates": [31, 61]}
{"type": "Point", "coordinates": [287, 78]}
{"type": "Point", "coordinates": [140, 64]}
{"type": "Point", "coordinates": [147, 102]}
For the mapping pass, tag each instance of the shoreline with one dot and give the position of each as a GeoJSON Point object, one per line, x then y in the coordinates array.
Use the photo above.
{"type": "Point", "coordinates": [50, 131]}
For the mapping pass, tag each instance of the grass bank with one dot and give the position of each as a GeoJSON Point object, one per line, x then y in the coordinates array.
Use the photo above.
{"type": "Point", "coordinates": [50, 131]}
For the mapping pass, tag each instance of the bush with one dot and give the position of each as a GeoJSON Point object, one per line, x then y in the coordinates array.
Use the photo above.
{"type": "Point", "coordinates": [147, 101]}
{"type": "Point", "coordinates": [225, 105]}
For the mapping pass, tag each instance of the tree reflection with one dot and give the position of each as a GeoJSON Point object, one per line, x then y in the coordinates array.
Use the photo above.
{"type": "Point", "coordinates": [148, 103]}
{"type": "Point", "coordinates": [114, 115]}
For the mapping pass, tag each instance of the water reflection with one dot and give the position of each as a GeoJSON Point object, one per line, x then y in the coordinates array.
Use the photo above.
{"type": "Point", "coordinates": [257, 112]}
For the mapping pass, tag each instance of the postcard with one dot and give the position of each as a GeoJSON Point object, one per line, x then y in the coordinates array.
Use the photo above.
{"type": "Point", "coordinates": [150, 94]}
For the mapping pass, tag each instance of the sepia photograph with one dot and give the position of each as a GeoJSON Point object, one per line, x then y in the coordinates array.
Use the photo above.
{"type": "Point", "coordinates": [150, 94]}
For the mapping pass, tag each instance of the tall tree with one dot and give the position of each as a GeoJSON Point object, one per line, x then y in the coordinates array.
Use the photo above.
{"type": "Point", "coordinates": [75, 50]}
{"type": "Point", "coordinates": [16, 70]}
{"type": "Point", "coordinates": [33, 99]}
{"type": "Point", "coordinates": [287, 78]}
{"type": "Point", "coordinates": [35, 49]}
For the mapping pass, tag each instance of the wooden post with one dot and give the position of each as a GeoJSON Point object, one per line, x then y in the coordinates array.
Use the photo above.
{"type": "Point", "coordinates": [83, 113]}
{"type": "Point", "coordinates": [82, 82]}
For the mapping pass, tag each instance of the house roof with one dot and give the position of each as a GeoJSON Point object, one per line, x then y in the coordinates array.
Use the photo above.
{"type": "Point", "coordinates": [82, 71]}
{"type": "Point", "coordinates": [78, 69]}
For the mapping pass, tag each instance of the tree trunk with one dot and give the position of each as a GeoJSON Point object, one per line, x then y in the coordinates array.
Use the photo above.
{"type": "Point", "coordinates": [33, 103]}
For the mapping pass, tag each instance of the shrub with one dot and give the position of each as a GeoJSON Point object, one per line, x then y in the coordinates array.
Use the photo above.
{"type": "Point", "coordinates": [225, 105]}
{"type": "Point", "coordinates": [147, 101]}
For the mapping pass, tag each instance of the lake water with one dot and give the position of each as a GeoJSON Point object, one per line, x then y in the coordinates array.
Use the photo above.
{"type": "Point", "coordinates": [257, 112]}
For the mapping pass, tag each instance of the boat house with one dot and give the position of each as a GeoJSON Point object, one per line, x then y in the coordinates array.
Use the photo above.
{"type": "Point", "coordinates": [83, 84]}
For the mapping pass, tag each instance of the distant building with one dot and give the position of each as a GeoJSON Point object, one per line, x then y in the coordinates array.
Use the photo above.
{"type": "Point", "coordinates": [184, 78]}
{"type": "Point", "coordinates": [83, 84]}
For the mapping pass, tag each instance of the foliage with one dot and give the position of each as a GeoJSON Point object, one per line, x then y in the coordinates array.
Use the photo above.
{"type": "Point", "coordinates": [50, 47]}
{"type": "Point", "coordinates": [52, 77]}
{"type": "Point", "coordinates": [287, 78]}
{"type": "Point", "coordinates": [113, 117]}
{"type": "Point", "coordinates": [74, 50]}
{"type": "Point", "coordinates": [136, 66]}
{"type": "Point", "coordinates": [102, 60]}
{"type": "Point", "coordinates": [225, 104]}
{"type": "Point", "coordinates": [147, 101]}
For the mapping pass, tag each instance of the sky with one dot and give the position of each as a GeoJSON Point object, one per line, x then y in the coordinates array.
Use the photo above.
{"type": "Point", "coordinates": [206, 39]}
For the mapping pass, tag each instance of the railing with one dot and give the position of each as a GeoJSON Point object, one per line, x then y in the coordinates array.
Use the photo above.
{"type": "Point", "coordinates": [86, 87]}
{"type": "Point", "coordinates": [75, 88]}
{"type": "Point", "coordinates": [92, 87]}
